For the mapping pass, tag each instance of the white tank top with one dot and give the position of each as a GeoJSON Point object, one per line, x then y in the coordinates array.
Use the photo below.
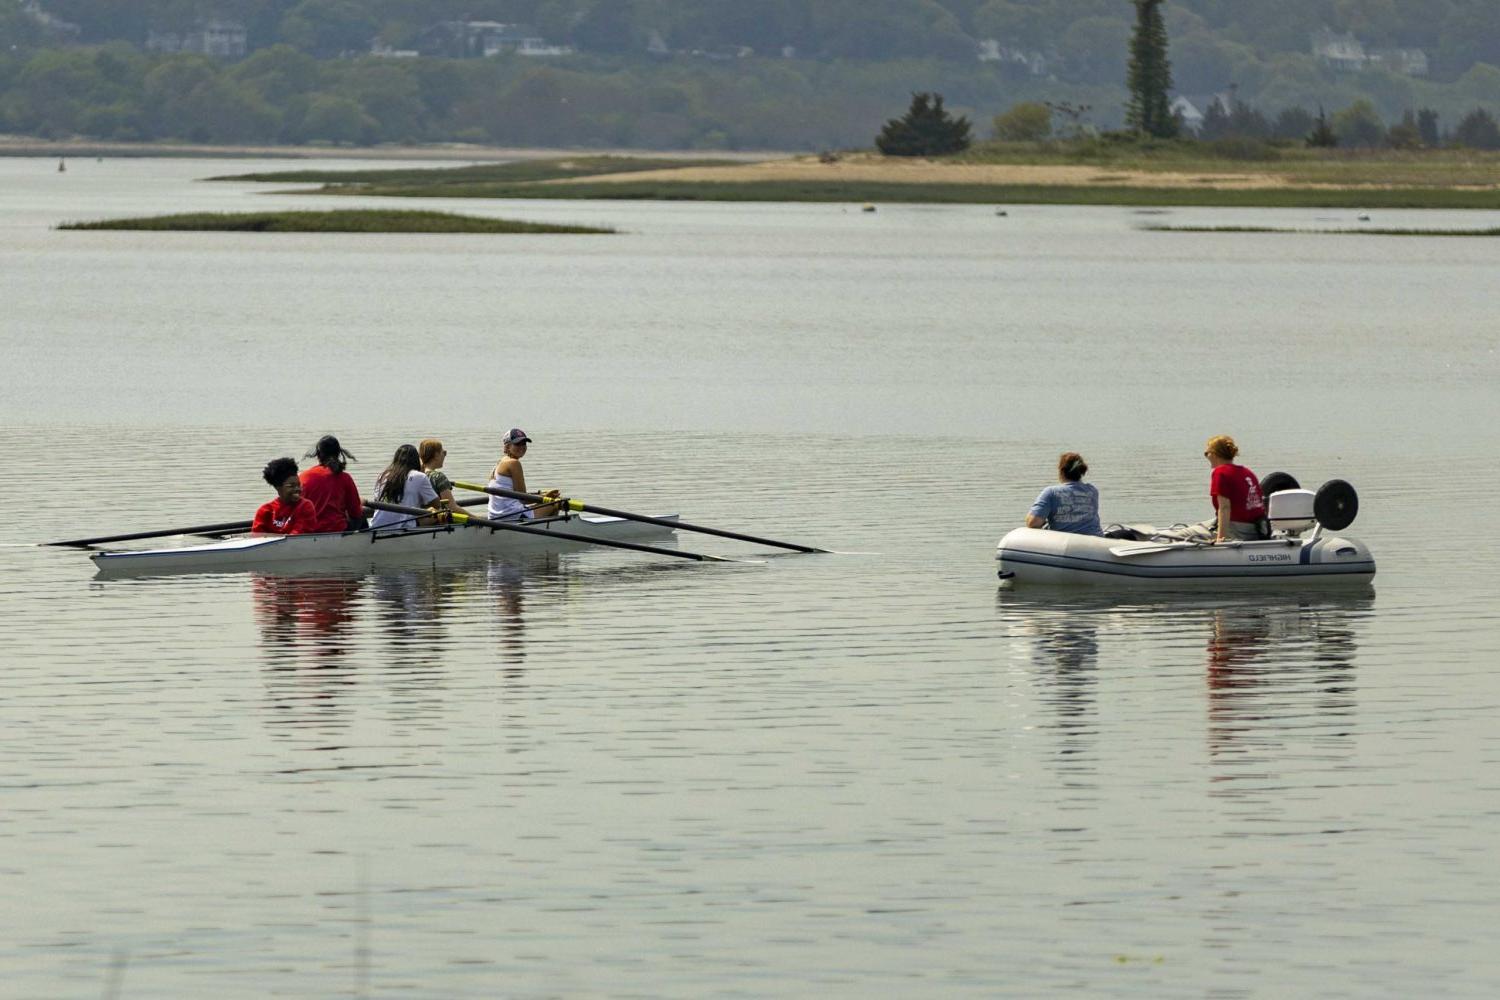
{"type": "Point", "coordinates": [502, 508]}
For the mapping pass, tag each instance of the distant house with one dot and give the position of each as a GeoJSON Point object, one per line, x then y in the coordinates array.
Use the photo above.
{"type": "Point", "coordinates": [990, 50]}
{"type": "Point", "coordinates": [384, 51]}
{"type": "Point", "coordinates": [51, 24]}
{"type": "Point", "coordinates": [222, 39]}
{"type": "Point", "coordinates": [1407, 62]}
{"type": "Point", "coordinates": [1342, 52]}
{"type": "Point", "coordinates": [1345, 53]}
{"type": "Point", "coordinates": [482, 39]}
{"type": "Point", "coordinates": [1187, 112]}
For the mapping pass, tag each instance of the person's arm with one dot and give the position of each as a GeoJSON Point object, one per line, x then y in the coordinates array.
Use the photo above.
{"type": "Point", "coordinates": [354, 506]}
{"type": "Point", "coordinates": [517, 477]}
{"type": "Point", "coordinates": [262, 525]}
{"type": "Point", "coordinates": [1223, 520]}
{"type": "Point", "coordinates": [1042, 509]}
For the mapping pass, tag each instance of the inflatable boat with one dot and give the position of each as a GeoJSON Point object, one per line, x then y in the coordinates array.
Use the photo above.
{"type": "Point", "coordinates": [1305, 549]}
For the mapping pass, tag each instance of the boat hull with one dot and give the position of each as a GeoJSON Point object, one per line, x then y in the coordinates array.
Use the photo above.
{"type": "Point", "coordinates": [350, 549]}
{"type": "Point", "coordinates": [1033, 556]}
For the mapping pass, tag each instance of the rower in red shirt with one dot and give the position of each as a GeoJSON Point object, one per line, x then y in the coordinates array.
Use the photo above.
{"type": "Point", "coordinates": [288, 514]}
{"type": "Point", "coordinates": [332, 492]}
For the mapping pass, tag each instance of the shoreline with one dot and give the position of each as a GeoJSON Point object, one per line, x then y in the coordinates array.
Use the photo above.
{"type": "Point", "coordinates": [23, 146]}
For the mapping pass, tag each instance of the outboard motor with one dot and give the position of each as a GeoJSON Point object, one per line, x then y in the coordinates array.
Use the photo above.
{"type": "Point", "coordinates": [1292, 511]}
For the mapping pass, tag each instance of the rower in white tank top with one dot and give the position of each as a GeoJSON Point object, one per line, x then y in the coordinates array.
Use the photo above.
{"type": "Point", "coordinates": [508, 475]}
{"type": "Point", "coordinates": [507, 507]}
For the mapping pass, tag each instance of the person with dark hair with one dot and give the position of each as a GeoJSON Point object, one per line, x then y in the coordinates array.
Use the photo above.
{"type": "Point", "coordinates": [332, 491]}
{"type": "Point", "coordinates": [289, 513]}
{"type": "Point", "coordinates": [403, 482]}
{"type": "Point", "coordinates": [1070, 505]}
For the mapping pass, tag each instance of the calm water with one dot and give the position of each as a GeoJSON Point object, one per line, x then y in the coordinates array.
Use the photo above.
{"type": "Point", "coordinates": [851, 775]}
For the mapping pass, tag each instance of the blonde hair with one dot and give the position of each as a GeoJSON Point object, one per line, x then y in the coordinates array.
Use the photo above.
{"type": "Point", "coordinates": [1223, 446]}
{"type": "Point", "coordinates": [429, 449]}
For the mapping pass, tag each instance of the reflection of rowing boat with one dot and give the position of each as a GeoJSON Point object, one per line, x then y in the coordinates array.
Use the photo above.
{"type": "Point", "coordinates": [1301, 552]}
{"type": "Point", "coordinates": [366, 547]}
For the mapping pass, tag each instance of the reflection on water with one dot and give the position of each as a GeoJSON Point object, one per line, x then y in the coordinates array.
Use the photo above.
{"type": "Point", "coordinates": [319, 634]}
{"type": "Point", "coordinates": [1279, 667]}
{"type": "Point", "coordinates": [1281, 675]}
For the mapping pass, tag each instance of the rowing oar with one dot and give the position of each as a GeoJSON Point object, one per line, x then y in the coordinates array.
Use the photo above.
{"type": "Point", "coordinates": [579, 505]}
{"type": "Point", "coordinates": [568, 536]}
{"type": "Point", "coordinates": [201, 529]}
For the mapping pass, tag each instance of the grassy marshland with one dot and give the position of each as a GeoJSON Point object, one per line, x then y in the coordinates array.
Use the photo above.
{"type": "Point", "coordinates": [1075, 172]}
{"type": "Point", "coordinates": [520, 172]}
{"type": "Point", "coordinates": [352, 221]}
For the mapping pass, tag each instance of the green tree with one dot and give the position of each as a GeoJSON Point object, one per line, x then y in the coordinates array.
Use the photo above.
{"type": "Point", "coordinates": [334, 118]}
{"type": "Point", "coordinates": [1293, 123]}
{"type": "Point", "coordinates": [1322, 135]}
{"type": "Point", "coordinates": [1359, 125]}
{"type": "Point", "coordinates": [925, 130]}
{"type": "Point", "coordinates": [1405, 134]}
{"type": "Point", "coordinates": [329, 27]}
{"type": "Point", "coordinates": [1477, 130]}
{"type": "Point", "coordinates": [1427, 125]}
{"type": "Point", "coordinates": [1029, 121]}
{"type": "Point", "coordinates": [1150, 74]}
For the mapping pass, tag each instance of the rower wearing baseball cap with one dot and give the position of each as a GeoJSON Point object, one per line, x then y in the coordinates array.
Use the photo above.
{"type": "Point", "coordinates": [509, 476]}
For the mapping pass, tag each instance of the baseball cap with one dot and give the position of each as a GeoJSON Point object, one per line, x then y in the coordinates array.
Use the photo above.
{"type": "Point", "coordinates": [517, 436]}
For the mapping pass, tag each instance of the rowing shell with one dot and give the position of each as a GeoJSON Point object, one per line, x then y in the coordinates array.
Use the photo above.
{"type": "Point", "coordinates": [352, 548]}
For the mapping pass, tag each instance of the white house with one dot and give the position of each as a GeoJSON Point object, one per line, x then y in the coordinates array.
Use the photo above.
{"type": "Point", "coordinates": [1342, 52]}
{"type": "Point", "coordinates": [216, 37]}
{"type": "Point", "coordinates": [1187, 112]}
{"type": "Point", "coordinates": [1407, 62]}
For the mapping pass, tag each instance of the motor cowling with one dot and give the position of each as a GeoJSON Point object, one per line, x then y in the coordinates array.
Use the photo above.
{"type": "Point", "coordinates": [1292, 511]}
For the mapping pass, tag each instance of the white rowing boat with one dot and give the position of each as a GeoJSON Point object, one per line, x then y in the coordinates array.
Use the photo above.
{"type": "Point", "coordinates": [354, 548]}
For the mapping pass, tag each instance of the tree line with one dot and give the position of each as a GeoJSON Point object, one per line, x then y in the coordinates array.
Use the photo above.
{"type": "Point", "coordinates": [612, 94]}
{"type": "Point", "coordinates": [1220, 39]}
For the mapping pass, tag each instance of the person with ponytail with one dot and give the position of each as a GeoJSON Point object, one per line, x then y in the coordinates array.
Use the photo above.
{"type": "Point", "coordinates": [1070, 505]}
{"type": "Point", "coordinates": [332, 491]}
{"type": "Point", "coordinates": [403, 482]}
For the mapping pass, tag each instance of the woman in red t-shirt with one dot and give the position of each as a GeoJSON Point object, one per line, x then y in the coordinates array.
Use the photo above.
{"type": "Point", "coordinates": [331, 490]}
{"type": "Point", "coordinates": [288, 514]}
{"type": "Point", "coordinates": [1235, 492]}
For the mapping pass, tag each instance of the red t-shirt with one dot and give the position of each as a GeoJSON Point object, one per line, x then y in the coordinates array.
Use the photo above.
{"type": "Point", "coordinates": [1241, 487]}
{"type": "Point", "coordinates": [334, 497]}
{"type": "Point", "coordinates": [276, 518]}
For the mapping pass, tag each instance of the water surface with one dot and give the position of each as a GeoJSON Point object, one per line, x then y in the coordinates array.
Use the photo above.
{"type": "Point", "coordinates": [606, 774]}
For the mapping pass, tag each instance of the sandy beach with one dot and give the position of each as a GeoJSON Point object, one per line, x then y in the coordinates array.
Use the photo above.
{"type": "Point", "coordinates": [864, 168]}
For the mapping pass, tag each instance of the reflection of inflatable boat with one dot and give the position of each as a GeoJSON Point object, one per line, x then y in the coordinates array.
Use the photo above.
{"type": "Point", "coordinates": [1302, 550]}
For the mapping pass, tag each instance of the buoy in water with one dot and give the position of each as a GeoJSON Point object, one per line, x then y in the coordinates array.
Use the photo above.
{"type": "Point", "coordinates": [868, 207]}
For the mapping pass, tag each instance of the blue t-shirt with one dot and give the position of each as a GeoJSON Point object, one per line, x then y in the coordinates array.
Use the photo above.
{"type": "Point", "coordinates": [1069, 507]}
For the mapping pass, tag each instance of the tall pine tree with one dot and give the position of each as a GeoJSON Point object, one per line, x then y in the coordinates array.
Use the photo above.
{"type": "Point", "coordinates": [1150, 74]}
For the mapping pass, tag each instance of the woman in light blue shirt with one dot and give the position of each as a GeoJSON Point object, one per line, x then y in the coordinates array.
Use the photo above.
{"type": "Point", "coordinates": [1071, 505]}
